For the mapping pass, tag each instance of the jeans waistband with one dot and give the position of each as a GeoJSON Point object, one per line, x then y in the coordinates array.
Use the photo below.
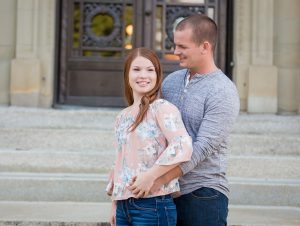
{"type": "Point", "coordinates": [160, 197]}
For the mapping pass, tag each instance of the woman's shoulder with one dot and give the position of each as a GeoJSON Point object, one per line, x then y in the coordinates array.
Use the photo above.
{"type": "Point", "coordinates": [122, 113]}
{"type": "Point", "coordinates": [163, 105]}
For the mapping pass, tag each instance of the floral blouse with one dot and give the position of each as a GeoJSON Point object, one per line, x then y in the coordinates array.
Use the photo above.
{"type": "Point", "coordinates": [160, 138]}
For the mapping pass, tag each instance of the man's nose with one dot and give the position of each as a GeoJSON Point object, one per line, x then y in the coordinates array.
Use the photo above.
{"type": "Point", "coordinates": [176, 51]}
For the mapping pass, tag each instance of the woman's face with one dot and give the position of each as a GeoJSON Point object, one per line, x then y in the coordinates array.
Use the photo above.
{"type": "Point", "coordinates": [142, 77]}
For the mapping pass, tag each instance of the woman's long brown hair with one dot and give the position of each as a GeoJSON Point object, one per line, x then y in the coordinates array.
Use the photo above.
{"type": "Point", "coordinates": [152, 95]}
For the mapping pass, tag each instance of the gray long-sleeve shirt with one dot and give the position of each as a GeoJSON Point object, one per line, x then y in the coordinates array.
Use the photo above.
{"type": "Point", "coordinates": [209, 106]}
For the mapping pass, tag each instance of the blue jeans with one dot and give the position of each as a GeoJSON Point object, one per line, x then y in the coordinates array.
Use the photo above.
{"type": "Point", "coordinates": [156, 211]}
{"type": "Point", "coordinates": [202, 207]}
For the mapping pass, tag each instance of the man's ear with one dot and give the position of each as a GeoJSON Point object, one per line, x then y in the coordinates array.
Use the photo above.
{"type": "Point", "coordinates": [206, 47]}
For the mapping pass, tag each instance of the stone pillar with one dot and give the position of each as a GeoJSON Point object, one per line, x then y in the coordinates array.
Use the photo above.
{"type": "Point", "coordinates": [287, 55]}
{"type": "Point", "coordinates": [262, 90]}
{"type": "Point", "coordinates": [32, 70]}
{"type": "Point", "coordinates": [242, 49]}
{"type": "Point", "coordinates": [298, 94]}
{"type": "Point", "coordinates": [8, 10]}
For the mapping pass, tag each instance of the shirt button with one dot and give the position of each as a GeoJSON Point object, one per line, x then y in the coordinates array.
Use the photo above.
{"type": "Point", "coordinates": [185, 90]}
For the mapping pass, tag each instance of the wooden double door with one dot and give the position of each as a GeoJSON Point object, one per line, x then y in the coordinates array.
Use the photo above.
{"type": "Point", "coordinates": [96, 35]}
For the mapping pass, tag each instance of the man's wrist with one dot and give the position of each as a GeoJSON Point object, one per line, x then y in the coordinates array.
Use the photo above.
{"type": "Point", "coordinates": [171, 175]}
{"type": "Point", "coordinates": [150, 175]}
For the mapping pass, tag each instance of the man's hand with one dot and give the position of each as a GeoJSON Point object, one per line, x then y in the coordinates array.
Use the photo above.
{"type": "Point", "coordinates": [158, 183]}
{"type": "Point", "coordinates": [140, 185]}
{"type": "Point", "coordinates": [141, 190]}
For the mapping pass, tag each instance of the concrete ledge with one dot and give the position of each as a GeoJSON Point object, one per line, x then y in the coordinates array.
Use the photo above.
{"type": "Point", "coordinates": [61, 161]}
{"type": "Point", "coordinates": [86, 140]}
{"type": "Point", "coordinates": [103, 118]}
{"type": "Point", "coordinates": [248, 191]}
{"type": "Point", "coordinates": [54, 213]}
{"type": "Point", "coordinates": [263, 215]}
{"type": "Point", "coordinates": [55, 187]}
{"type": "Point", "coordinates": [97, 214]}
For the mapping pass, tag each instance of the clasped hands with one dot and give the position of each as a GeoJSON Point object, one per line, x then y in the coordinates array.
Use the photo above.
{"type": "Point", "coordinates": [144, 184]}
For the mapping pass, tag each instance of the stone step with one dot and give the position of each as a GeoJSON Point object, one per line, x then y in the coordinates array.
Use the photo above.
{"type": "Point", "coordinates": [267, 124]}
{"type": "Point", "coordinates": [47, 140]}
{"type": "Point", "coordinates": [263, 215]}
{"type": "Point", "coordinates": [53, 187]}
{"type": "Point", "coordinates": [103, 118]}
{"type": "Point", "coordinates": [97, 214]}
{"type": "Point", "coordinates": [56, 161]}
{"type": "Point", "coordinates": [265, 144]}
{"type": "Point", "coordinates": [87, 140]}
{"type": "Point", "coordinates": [80, 118]}
{"type": "Point", "coordinates": [276, 192]}
{"type": "Point", "coordinates": [278, 167]}
{"type": "Point", "coordinates": [264, 167]}
{"type": "Point", "coordinates": [91, 188]}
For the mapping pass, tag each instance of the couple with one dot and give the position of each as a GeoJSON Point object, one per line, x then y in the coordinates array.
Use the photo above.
{"type": "Point", "coordinates": [184, 135]}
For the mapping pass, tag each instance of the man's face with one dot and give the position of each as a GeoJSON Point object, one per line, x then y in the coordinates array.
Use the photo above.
{"type": "Point", "coordinates": [189, 53]}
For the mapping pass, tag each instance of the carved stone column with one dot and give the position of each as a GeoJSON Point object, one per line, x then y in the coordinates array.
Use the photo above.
{"type": "Point", "coordinates": [262, 90]}
{"type": "Point", "coordinates": [298, 91]}
{"type": "Point", "coordinates": [7, 45]}
{"type": "Point", "coordinates": [242, 49]}
{"type": "Point", "coordinates": [287, 55]}
{"type": "Point", "coordinates": [32, 70]}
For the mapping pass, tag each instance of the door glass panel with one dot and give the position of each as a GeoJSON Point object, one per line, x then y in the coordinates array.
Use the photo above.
{"type": "Point", "coordinates": [128, 27]}
{"type": "Point", "coordinates": [102, 29]}
{"type": "Point", "coordinates": [159, 28]}
{"type": "Point", "coordinates": [186, 1]}
{"type": "Point", "coordinates": [102, 24]}
{"type": "Point", "coordinates": [76, 25]}
{"type": "Point", "coordinates": [166, 24]}
{"type": "Point", "coordinates": [92, 53]}
{"type": "Point", "coordinates": [211, 12]}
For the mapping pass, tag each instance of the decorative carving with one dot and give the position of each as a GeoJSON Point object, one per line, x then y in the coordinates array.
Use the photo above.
{"type": "Point", "coordinates": [114, 38]}
{"type": "Point", "coordinates": [173, 16]}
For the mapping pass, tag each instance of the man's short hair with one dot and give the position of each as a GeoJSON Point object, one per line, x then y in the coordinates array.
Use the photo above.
{"type": "Point", "coordinates": [203, 27]}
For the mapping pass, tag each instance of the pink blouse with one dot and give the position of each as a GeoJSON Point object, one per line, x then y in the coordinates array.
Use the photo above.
{"type": "Point", "coordinates": [160, 138]}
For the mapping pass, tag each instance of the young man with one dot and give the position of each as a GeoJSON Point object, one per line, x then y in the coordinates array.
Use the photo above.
{"type": "Point", "coordinates": [209, 105]}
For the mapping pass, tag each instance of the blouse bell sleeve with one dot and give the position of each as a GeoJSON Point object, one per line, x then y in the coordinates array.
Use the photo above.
{"type": "Point", "coordinates": [179, 147]}
{"type": "Point", "coordinates": [110, 186]}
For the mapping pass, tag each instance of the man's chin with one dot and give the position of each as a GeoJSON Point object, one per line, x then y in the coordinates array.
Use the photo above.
{"type": "Point", "coordinates": [182, 64]}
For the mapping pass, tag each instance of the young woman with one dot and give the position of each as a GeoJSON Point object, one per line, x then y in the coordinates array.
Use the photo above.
{"type": "Point", "coordinates": [150, 140]}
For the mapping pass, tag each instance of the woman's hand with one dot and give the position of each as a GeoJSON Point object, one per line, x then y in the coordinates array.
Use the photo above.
{"type": "Point", "coordinates": [141, 185]}
{"type": "Point", "coordinates": [109, 190]}
{"type": "Point", "coordinates": [112, 219]}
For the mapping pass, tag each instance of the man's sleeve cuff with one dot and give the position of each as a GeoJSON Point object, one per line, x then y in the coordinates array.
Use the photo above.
{"type": "Point", "coordinates": [186, 167]}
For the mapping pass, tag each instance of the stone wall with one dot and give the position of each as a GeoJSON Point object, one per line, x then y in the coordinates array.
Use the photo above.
{"type": "Point", "coordinates": [7, 46]}
{"type": "Point", "coordinates": [32, 71]}
{"type": "Point", "coordinates": [266, 54]}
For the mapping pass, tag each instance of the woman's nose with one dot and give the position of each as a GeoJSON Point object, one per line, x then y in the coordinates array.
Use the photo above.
{"type": "Point", "coordinates": [142, 73]}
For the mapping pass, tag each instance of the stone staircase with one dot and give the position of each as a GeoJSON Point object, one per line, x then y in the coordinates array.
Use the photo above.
{"type": "Point", "coordinates": [54, 165]}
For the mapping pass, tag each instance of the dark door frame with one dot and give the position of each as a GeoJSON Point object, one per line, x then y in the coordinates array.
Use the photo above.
{"type": "Point", "coordinates": [225, 28]}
